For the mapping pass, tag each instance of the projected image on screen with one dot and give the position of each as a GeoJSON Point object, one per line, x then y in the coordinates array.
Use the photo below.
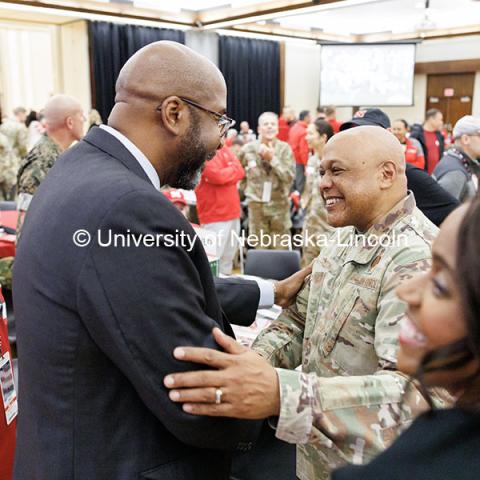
{"type": "Point", "coordinates": [367, 75]}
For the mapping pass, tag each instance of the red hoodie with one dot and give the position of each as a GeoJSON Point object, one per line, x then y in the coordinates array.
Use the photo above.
{"type": "Point", "coordinates": [298, 141]}
{"type": "Point", "coordinates": [217, 194]}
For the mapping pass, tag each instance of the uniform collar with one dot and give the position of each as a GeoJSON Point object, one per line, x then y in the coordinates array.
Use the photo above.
{"type": "Point", "coordinates": [381, 228]}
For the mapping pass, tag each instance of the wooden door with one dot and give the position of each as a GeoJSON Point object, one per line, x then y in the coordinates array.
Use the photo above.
{"type": "Point", "coordinates": [452, 94]}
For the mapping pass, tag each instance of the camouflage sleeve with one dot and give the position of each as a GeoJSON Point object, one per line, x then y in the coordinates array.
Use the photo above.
{"type": "Point", "coordinates": [281, 342]}
{"type": "Point", "coordinates": [356, 416]}
{"type": "Point", "coordinates": [243, 156]}
{"type": "Point", "coordinates": [30, 179]}
{"type": "Point", "coordinates": [284, 165]}
{"type": "Point", "coordinates": [22, 141]}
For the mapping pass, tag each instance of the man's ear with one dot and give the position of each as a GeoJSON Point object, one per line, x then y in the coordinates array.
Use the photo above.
{"type": "Point", "coordinates": [174, 114]}
{"type": "Point", "coordinates": [388, 173]}
{"type": "Point", "coordinates": [69, 122]}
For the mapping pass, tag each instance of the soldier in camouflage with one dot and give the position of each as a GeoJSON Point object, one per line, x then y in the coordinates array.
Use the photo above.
{"type": "Point", "coordinates": [269, 167]}
{"type": "Point", "coordinates": [348, 401]}
{"type": "Point", "coordinates": [64, 124]}
{"type": "Point", "coordinates": [13, 147]}
{"type": "Point", "coordinates": [315, 226]}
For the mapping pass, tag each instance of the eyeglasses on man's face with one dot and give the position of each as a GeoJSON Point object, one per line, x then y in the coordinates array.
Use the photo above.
{"type": "Point", "coordinates": [224, 122]}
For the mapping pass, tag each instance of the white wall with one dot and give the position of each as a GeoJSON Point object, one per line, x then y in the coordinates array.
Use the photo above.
{"type": "Point", "coordinates": [29, 62]}
{"type": "Point", "coordinates": [39, 60]}
{"type": "Point", "coordinates": [302, 75]}
{"type": "Point", "coordinates": [75, 62]}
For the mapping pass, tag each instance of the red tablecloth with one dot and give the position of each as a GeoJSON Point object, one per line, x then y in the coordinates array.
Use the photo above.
{"type": "Point", "coordinates": [7, 242]}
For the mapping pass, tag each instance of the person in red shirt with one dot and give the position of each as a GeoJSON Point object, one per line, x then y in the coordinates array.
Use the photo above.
{"type": "Point", "coordinates": [297, 139]}
{"type": "Point", "coordinates": [413, 149]}
{"type": "Point", "coordinates": [285, 123]}
{"type": "Point", "coordinates": [430, 137]}
{"type": "Point", "coordinates": [331, 118]}
{"type": "Point", "coordinates": [218, 203]}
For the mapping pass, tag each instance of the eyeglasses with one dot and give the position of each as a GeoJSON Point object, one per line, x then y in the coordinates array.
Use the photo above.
{"type": "Point", "coordinates": [224, 123]}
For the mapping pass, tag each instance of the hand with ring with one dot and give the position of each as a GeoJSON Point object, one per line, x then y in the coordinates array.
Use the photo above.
{"type": "Point", "coordinates": [242, 384]}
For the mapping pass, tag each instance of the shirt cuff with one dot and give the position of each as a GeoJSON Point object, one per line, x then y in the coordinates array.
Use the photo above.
{"type": "Point", "coordinates": [296, 406]}
{"type": "Point", "coordinates": [267, 294]}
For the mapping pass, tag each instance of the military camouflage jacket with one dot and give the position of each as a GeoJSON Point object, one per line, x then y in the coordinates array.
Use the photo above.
{"type": "Point", "coordinates": [17, 135]}
{"type": "Point", "coordinates": [345, 405]}
{"type": "Point", "coordinates": [8, 162]}
{"type": "Point", "coordinates": [280, 171]}
{"type": "Point", "coordinates": [33, 170]}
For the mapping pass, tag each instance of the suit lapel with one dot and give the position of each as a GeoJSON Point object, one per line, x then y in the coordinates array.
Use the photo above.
{"type": "Point", "coordinates": [107, 143]}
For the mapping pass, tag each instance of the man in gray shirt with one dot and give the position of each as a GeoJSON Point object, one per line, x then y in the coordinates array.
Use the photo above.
{"type": "Point", "coordinates": [458, 171]}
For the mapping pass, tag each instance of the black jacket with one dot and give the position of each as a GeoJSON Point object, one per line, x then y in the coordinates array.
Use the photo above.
{"type": "Point", "coordinates": [417, 132]}
{"type": "Point", "coordinates": [433, 200]}
{"type": "Point", "coordinates": [96, 328]}
{"type": "Point", "coordinates": [440, 445]}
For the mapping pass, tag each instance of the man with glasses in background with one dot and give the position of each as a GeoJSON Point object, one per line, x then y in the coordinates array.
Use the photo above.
{"type": "Point", "coordinates": [458, 171]}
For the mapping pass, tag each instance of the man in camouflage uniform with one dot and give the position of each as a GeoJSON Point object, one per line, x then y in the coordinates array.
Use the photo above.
{"type": "Point", "coordinates": [64, 124]}
{"type": "Point", "coordinates": [269, 167]}
{"type": "Point", "coordinates": [14, 140]}
{"type": "Point", "coordinates": [348, 402]}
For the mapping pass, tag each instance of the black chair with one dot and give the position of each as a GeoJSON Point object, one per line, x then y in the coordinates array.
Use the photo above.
{"type": "Point", "coordinates": [8, 206]}
{"type": "Point", "coordinates": [272, 264]}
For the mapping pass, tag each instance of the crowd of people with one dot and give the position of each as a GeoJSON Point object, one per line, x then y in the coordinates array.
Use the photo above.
{"type": "Point", "coordinates": [375, 358]}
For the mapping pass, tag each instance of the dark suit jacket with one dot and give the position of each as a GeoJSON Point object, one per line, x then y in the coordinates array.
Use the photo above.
{"type": "Point", "coordinates": [238, 299]}
{"type": "Point", "coordinates": [97, 327]}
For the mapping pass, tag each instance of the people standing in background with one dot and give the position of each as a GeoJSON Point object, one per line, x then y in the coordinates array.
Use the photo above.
{"type": "Point", "coordinates": [246, 133]}
{"type": "Point", "coordinates": [285, 123]}
{"type": "Point", "coordinates": [320, 113]}
{"type": "Point", "coordinates": [7, 167]}
{"type": "Point", "coordinates": [269, 167]}
{"type": "Point", "coordinates": [17, 134]}
{"type": "Point", "coordinates": [411, 146]}
{"type": "Point", "coordinates": [218, 203]}
{"type": "Point", "coordinates": [458, 172]}
{"type": "Point", "coordinates": [35, 128]}
{"type": "Point", "coordinates": [94, 118]}
{"type": "Point", "coordinates": [232, 135]}
{"type": "Point", "coordinates": [331, 117]}
{"type": "Point", "coordinates": [315, 225]}
{"type": "Point", "coordinates": [178, 199]}
{"type": "Point", "coordinates": [430, 137]}
{"type": "Point", "coordinates": [63, 125]}
{"type": "Point", "coordinates": [297, 140]}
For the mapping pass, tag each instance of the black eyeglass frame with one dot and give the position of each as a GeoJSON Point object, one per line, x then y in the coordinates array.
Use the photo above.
{"type": "Point", "coordinates": [224, 122]}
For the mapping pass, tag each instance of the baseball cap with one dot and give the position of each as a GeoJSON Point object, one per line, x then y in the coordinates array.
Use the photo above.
{"type": "Point", "coordinates": [175, 196]}
{"type": "Point", "coordinates": [467, 125]}
{"type": "Point", "coordinates": [369, 116]}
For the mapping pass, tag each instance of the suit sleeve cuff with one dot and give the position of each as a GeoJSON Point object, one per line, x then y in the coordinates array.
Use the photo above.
{"type": "Point", "coordinates": [266, 293]}
{"type": "Point", "coordinates": [296, 406]}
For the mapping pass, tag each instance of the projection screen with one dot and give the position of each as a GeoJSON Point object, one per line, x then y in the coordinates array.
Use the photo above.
{"type": "Point", "coordinates": [367, 75]}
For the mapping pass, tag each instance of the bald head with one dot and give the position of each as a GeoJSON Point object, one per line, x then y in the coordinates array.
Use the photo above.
{"type": "Point", "coordinates": [58, 108]}
{"type": "Point", "coordinates": [162, 69]}
{"type": "Point", "coordinates": [363, 176]}
{"type": "Point", "coordinates": [368, 146]}
{"type": "Point", "coordinates": [169, 102]}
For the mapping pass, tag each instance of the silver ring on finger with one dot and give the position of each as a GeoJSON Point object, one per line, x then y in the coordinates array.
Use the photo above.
{"type": "Point", "coordinates": [218, 396]}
